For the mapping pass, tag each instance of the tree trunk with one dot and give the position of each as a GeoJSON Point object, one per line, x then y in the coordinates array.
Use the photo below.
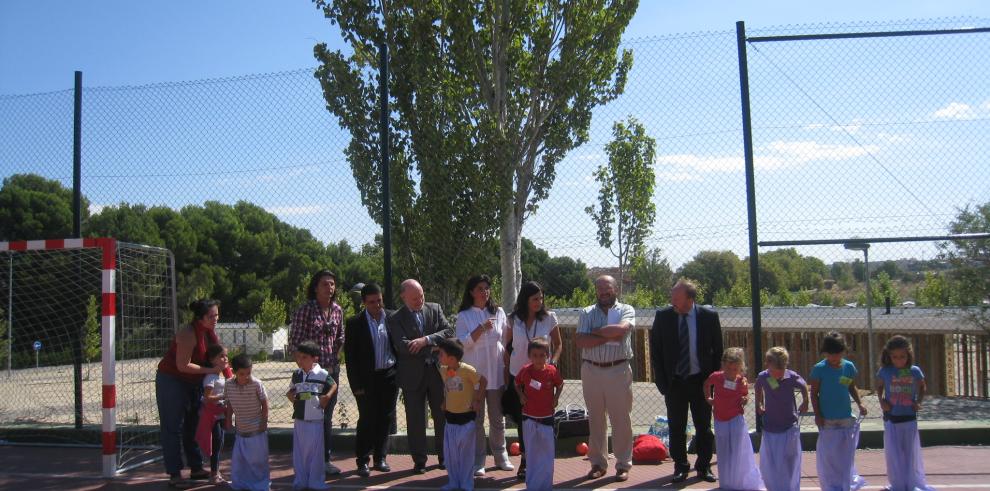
{"type": "Point", "coordinates": [510, 251]}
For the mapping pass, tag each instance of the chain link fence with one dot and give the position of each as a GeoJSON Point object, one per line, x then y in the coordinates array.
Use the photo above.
{"type": "Point", "coordinates": [247, 181]}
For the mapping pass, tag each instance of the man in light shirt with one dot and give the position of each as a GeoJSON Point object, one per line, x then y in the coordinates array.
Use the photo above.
{"type": "Point", "coordinates": [603, 335]}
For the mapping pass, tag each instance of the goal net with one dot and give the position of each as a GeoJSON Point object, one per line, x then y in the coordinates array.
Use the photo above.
{"type": "Point", "coordinates": [83, 325]}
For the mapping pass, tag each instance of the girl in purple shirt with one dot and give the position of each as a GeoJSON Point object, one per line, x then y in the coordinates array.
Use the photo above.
{"type": "Point", "coordinates": [780, 447]}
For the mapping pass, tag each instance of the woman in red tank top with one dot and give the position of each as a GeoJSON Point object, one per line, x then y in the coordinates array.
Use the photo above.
{"type": "Point", "coordinates": [178, 389]}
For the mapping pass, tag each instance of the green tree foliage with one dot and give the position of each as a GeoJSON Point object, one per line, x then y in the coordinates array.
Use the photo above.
{"type": "Point", "coordinates": [652, 272]}
{"type": "Point", "coordinates": [271, 316]}
{"type": "Point", "coordinates": [934, 292]}
{"type": "Point", "coordinates": [971, 260]}
{"type": "Point", "coordinates": [33, 207]}
{"type": "Point", "coordinates": [716, 270]}
{"type": "Point", "coordinates": [842, 273]}
{"type": "Point", "coordinates": [487, 98]}
{"type": "Point", "coordinates": [239, 254]}
{"type": "Point", "coordinates": [559, 276]}
{"type": "Point", "coordinates": [625, 211]}
{"type": "Point", "coordinates": [883, 289]}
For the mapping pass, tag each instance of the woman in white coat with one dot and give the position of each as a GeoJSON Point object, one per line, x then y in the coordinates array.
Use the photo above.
{"type": "Point", "coordinates": [481, 329]}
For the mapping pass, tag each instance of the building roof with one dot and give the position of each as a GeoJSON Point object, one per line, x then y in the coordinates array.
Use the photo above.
{"type": "Point", "coordinates": [917, 320]}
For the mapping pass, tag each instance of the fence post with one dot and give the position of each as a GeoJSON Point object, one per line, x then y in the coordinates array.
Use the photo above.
{"type": "Point", "coordinates": [77, 351]}
{"type": "Point", "coordinates": [383, 128]}
{"type": "Point", "coordinates": [754, 252]}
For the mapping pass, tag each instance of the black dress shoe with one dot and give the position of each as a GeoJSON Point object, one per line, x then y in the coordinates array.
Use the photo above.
{"type": "Point", "coordinates": [680, 476]}
{"type": "Point", "coordinates": [363, 470]}
{"type": "Point", "coordinates": [706, 475]}
{"type": "Point", "coordinates": [382, 466]}
{"type": "Point", "coordinates": [419, 469]}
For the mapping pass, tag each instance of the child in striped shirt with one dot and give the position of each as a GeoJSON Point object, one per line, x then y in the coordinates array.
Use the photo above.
{"type": "Point", "coordinates": [247, 407]}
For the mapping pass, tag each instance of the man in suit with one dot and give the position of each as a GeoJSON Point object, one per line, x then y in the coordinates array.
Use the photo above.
{"type": "Point", "coordinates": [685, 348]}
{"type": "Point", "coordinates": [371, 374]}
{"type": "Point", "coordinates": [414, 330]}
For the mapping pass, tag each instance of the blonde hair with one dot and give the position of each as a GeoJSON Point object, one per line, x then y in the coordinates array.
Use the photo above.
{"type": "Point", "coordinates": [735, 355]}
{"type": "Point", "coordinates": [777, 356]}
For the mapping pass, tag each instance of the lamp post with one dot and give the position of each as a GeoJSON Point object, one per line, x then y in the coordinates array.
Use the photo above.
{"type": "Point", "coordinates": [865, 247]}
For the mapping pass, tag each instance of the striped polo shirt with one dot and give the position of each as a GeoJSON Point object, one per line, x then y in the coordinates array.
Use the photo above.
{"type": "Point", "coordinates": [593, 318]}
{"type": "Point", "coordinates": [245, 401]}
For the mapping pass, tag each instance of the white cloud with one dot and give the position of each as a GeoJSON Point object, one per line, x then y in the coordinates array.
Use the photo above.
{"type": "Point", "coordinates": [774, 156]}
{"type": "Point", "coordinates": [677, 176]}
{"type": "Point", "coordinates": [295, 210]}
{"type": "Point", "coordinates": [806, 151]}
{"type": "Point", "coordinates": [892, 138]}
{"type": "Point", "coordinates": [955, 110]}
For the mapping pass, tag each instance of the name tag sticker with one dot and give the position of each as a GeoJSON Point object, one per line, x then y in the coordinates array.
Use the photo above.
{"type": "Point", "coordinates": [845, 381]}
{"type": "Point", "coordinates": [613, 316]}
{"type": "Point", "coordinates": [904, 372]}
{"type": "Point", "coordinates": [305, 396]}
{"type": "Point", "coordinates": [729, 385]}
{"type": "Point", "coordinates": [535, 384]}
{"type": "Point", "coordinates": [774, 384]}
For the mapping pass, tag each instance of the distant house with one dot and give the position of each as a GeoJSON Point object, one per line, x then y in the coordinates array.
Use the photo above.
{"type": "Point", "coordinates": [246, 337]}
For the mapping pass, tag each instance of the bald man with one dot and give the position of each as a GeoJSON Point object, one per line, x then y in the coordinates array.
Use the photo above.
{"type": "Point", "coordinates": [414, 330]}
{"type": "Point", "coordinates": [603, 335]}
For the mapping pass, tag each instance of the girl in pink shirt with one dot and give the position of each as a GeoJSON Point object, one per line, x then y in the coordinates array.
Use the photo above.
{"type": "Point", "coordinates": [728, 392]}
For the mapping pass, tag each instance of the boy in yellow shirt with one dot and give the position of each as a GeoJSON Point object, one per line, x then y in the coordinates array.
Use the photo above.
{"type": "Point", "coordinates": [463, 389]}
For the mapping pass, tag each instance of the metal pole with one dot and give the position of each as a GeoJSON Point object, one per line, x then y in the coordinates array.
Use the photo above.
{"type": "Point", "coordinates": [383, 129]}
{"type": "Point", "coordinates": [77, 350]}
{"type": "Point", "coordinates": [77, 160]}
{"type": "Point", "coordinates": [754, 252]}
{"type": "Point", "coordinates": [869, 318]}
{"type": "Point", "coordinates": [10, 314]}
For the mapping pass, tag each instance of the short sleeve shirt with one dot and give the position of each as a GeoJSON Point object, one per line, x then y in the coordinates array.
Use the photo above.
{"type": "Point", "coordinates": [833, 398]}
{"type": "Point", "coordinates": [778, 399]}
{"type": "Point", "coordinates": [309, 386]}
{"type": "Point", "coordinates": [728, 395]}
{"type": "Point", "coordinates": [459, 386]}
{"type": "Point", "coordinates": [900, 388]}
{"type": "Point", "coordinates": [245, 400]}
{"type": "Point", "coordinates": [594, 318]}
{"type": "Point", "coordinates": [538, 387]}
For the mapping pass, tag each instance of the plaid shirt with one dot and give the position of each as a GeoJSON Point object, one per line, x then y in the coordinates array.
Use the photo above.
{"type": "Point", "coordinates": [309, 324]}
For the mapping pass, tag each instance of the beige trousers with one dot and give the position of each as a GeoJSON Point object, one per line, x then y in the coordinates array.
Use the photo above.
{"type": "Point", "coordinates": [608, 391]}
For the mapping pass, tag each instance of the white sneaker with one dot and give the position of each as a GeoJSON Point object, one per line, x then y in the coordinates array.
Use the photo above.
{"type": "Point", "coordinates": [507, 466]}
{"type": "Point", "coordinates": [479, 473]}
{"type": "Point", "coordinates": [332, 470]}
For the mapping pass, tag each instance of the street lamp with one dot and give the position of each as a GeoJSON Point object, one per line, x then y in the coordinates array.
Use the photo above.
{"type": "Point", "coordinates": [865, 247]}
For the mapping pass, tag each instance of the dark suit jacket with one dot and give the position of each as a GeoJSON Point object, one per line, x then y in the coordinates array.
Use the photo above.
{"type": "Point", "coordinates": [665, 345]}
{"type": "Point", "coordinates": [402, 327]}
{"type": "Point", "coordinates": [359, 351]}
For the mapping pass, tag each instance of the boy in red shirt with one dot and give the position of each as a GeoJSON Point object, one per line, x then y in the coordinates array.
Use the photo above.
{"type": "Point", "coordinates": [539, 386]}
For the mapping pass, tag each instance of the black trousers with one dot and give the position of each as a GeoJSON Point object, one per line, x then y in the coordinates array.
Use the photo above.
{"type": "Point", "coordinates": [430, 390]}
{"type": "Point", "coordinates": [376, 416]}
{"type": "Point", "coordinates": [684, 394]}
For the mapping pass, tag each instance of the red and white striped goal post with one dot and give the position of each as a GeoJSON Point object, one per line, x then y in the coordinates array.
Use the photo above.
{"type": "Point", "coordinates": [108, 323]}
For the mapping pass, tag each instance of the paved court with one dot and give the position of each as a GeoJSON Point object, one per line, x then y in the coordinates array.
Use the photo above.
{"type": "Point", "coordinates": [46, 468]}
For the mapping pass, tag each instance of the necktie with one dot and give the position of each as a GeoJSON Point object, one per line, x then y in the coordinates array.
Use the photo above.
{"type": "Point", "coordinates": [684, 362]}
{"type": "Point", "coordinates": [419, 320]}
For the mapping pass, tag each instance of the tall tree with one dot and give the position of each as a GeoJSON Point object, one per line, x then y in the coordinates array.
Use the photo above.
{"type": "Point", "coordinates": [971, 259]}
{"type": "Point", "coordinates": [33, 207]}
{"type": "Point", "coordinates": [626, 210]}
{"type": "Point", "coordinates": [488, 97]}
{"type": "Point", "coordinates": [716, 270]}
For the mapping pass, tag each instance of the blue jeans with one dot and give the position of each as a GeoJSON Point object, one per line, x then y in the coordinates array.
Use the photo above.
{"type": "Point", "coordinates": [217, 445]}
{"type": "Point", "coordinates": [178, 413]}
{"type": "Point", "coordinates": [328, 415]}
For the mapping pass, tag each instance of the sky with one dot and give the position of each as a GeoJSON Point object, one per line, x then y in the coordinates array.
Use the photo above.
{"type": "Point", "coordinates": [825, 146]}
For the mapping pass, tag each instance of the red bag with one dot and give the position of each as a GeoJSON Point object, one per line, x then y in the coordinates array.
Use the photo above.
{"type": "Point", "coordinates": [648, 449]}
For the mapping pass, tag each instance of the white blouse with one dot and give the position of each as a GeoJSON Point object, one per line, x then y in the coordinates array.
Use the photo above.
{"type": "Point", "coordinates": [521, 336]}
{"type": "Point", "coordinates": [486, 354]}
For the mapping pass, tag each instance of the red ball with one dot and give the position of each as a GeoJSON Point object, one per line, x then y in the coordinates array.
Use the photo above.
{"type": "Point", "coordinates": [582, 448]}
{"type": "Point", "coordinates": [514, 449]}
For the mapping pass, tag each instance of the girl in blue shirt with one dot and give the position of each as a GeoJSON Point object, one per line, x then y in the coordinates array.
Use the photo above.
{"type": "Point", "coordinates": [833, 383]}
{"type": "Point", "coordinates": [901, 387]}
